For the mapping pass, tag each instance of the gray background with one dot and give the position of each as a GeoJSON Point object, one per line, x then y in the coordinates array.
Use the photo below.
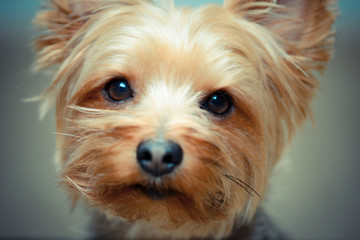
{"type": "Point", "coordinates": [317, 198]}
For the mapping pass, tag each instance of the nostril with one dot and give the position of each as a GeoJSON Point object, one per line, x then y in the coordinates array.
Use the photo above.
{"type": "Point", "coordinates": [168, 158]}
{"type": "Point", "coordinates": [146, 155]}
{"type": "Point", "coordinates": [174, 154]}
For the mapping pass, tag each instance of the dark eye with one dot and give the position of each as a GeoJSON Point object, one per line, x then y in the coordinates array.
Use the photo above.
{"type": "Point", "coordinates": [118, 89]}
{"type": "Point", "coordinates": [218, 103]}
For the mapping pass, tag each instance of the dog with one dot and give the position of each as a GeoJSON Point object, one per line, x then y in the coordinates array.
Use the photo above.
{"type": "Point", "coordinates": [171, 120]}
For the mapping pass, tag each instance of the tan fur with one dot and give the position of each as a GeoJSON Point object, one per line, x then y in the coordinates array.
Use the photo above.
{"type": "Point", "coordinates": [261, 52]}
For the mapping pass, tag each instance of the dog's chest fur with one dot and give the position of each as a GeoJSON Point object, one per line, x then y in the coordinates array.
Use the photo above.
{"type": "Point", "coordinates": [260, 228]}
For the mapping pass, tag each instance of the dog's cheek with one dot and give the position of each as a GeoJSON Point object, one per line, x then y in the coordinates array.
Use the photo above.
{"type": "Point", "coordinates": [247, 166]}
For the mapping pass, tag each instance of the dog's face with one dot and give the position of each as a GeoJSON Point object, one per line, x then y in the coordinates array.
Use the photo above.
{"type": "Point", "coordinates": [171, 116]}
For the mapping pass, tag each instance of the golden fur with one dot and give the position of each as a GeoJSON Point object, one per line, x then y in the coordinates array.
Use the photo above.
{"type": "Point", "coordinates": [261, 52]}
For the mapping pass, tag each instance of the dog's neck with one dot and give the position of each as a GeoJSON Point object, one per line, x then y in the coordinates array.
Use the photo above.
{"type": "Point", "coordinates": [259, 228]}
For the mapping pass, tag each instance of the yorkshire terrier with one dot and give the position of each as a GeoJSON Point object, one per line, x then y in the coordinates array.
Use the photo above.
{"type": "Point", "coordinates": [171, 120]}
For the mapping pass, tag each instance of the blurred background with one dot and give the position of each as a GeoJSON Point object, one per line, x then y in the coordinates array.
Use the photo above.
{"type": "Point", "coordinates": [317, 198]}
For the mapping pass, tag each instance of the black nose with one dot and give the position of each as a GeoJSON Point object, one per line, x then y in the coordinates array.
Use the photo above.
{"type": "Point", "coordinates": [159, 157]}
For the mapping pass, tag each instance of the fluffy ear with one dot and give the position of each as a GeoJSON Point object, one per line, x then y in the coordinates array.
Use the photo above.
{"type": "Point", "coordinates": [296, 38]}
{"type": "Point", "coordinates": [302, 26]}
{"type": "Point", "coordinates": [61, 20]}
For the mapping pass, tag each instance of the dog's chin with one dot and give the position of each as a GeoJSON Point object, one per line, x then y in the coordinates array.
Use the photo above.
{"type": "Point", "coordinates": [155, 193]}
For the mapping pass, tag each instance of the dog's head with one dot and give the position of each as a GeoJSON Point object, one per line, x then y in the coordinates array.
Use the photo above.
{"type": "Point", "coordinates": [172, 116]}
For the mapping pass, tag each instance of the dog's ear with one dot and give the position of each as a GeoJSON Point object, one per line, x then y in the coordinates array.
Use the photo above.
{"type": "Point", "coordinates": [294, 37]}
{"type": "Point", "coordinates": [302, 26]}
{"type": "Point", "coordinates": [61, 21]}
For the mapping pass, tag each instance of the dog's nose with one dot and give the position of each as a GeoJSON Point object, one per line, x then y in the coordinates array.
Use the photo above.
{"type": "Point", "coordinates": [159, 157]}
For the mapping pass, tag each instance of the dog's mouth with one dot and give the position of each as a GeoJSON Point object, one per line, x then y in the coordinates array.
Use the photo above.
{"type": "Point", "coordinates": [155, 193]}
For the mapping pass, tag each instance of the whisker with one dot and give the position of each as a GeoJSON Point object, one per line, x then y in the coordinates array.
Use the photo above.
{"type": "Point", "coordinates": [82, 190]}
{"type": "Point", "coordinates": [66, 134]}
{"type": "Point", "coordinates": [232, 179]}
{"type": "Point", "coordinates": [248, 186]}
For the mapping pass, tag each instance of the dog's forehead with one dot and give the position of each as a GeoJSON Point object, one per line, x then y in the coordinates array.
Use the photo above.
{"type": "Point", "coordinates": [180, 47]}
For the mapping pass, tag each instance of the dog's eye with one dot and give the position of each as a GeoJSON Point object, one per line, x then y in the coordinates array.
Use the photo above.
{"type": "Point", "coordinates": [218, 103]}
{"type": "Point", "coordinates": [118, 89]}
